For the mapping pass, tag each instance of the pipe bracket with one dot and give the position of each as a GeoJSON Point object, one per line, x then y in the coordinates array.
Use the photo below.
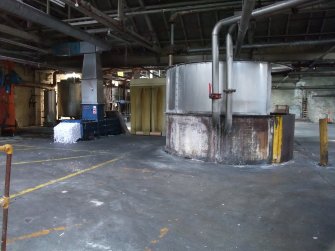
{"type": "Point", "coordinates": [229, 91]}
{"type": "Point", "coordinates": [215, 96]}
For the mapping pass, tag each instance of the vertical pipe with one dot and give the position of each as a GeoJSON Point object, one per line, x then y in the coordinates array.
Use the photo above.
{"type": "Point", "coordinates": [231, 20]}
{"type": "Point", "coordinates": [323, 126]}
{"type": "Point", "coordinates": [229, 83]}
{"type": "Point", "coordinates": [120, 12]}
{"type": "Point", "coordinates": [48, 6]}
{"type": "Point", "coordinates": [248, 6]}
{"type": "Point", "coordinates": [172, 45]}
{"type": "Point", "coordinates": [69, 12]}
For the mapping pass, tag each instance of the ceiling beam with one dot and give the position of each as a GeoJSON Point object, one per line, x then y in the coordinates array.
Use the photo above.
{"type": "Point", "coordinates": [29, 13]}
{"type": "Point", "coordinates": [87, 9]}
{"type": "Point", "coordinates": [200, 29]}
{"type": "Point", "coordinates": [184, 29]}
{"type": "Point", "coordinates": [37, 64]}
{"type": "Point", "coordinates": [149, 24]}
{"type": "Point", "coordinates": [20, 33]}
{"type": "Point", "coordinates": [134, 11]}
{"type": "Point", "coordinates": [27, 46]}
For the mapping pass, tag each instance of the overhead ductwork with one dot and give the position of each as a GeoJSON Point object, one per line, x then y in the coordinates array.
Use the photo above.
{"type": "Point", "coordinates": [29, 13]}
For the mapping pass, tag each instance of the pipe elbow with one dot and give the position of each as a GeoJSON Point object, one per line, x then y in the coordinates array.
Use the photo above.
{"type": "Point", "coordinates": [8, 149]}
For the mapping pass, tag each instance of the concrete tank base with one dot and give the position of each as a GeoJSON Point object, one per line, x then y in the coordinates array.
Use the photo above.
{"type": "Point", "coordinates": [249, 142]}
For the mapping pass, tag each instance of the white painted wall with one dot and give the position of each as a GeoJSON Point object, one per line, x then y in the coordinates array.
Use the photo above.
{"type": "Point", "coordinates": [317, 107]}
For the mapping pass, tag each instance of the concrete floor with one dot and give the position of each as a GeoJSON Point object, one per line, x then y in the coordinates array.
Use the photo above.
{"type": "Point", "coordinates": [126, 193]}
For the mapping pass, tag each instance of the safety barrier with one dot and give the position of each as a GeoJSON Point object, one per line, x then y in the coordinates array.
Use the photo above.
{"type": "Point", "coordinates": [8, 149]}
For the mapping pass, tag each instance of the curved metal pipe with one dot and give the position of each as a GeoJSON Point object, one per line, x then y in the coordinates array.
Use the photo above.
{"type": "Point", "coordinates": [230, 20]}
{"type": "Point", "coordinates": [229, 84]}
{"type": "Point", "coordinates": [216, 107]}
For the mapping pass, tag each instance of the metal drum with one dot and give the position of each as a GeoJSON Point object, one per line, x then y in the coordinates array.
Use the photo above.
{"type": "Point", "coordinates": [190, 132]}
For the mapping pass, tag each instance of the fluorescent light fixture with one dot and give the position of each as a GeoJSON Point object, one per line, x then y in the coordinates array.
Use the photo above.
{"type": "Point", "coordinates": [72, 75]}
{"type": "Point", "coordinates": [58, 2]}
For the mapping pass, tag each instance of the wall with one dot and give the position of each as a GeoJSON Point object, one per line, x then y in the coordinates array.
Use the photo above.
{"type": "Point", "coordinates": [27, 99]}
{"type": "Point", "coordinates": [317, 107]}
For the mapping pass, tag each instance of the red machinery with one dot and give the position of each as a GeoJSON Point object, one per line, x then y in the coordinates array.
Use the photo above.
{"type": "Point", "coordinates": [7, 110]}
{"type": "Point", "coordinates": [7, 105]}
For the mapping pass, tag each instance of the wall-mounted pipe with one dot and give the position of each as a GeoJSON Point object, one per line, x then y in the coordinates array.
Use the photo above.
{"type": "Point", "coordinates": [270, 45]}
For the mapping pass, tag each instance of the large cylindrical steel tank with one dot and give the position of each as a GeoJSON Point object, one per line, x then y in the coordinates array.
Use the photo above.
{"type": "Point", "coordinates": [69, 98]}
{"type": "Point", "coordinates": [190, 132]}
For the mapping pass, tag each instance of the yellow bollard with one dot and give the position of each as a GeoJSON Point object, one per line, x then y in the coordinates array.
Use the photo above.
{"type": "Point", "coordinates": [323, 142]}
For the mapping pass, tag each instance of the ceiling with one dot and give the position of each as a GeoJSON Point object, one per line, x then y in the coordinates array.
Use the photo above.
{"type": "Point", "coordinates": [138, 32]}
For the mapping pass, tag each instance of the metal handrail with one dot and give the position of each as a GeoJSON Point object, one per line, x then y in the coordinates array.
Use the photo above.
{"type": "Point", "coordinates": [8, 149]}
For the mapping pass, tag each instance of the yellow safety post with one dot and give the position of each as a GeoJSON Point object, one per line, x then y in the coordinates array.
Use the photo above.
{"type": "Point", "coordinates": [8, 149]}
{"type": "Point", "coordinates": [277, 139]}
{"type": "Point", "coordinates": [323, 126]}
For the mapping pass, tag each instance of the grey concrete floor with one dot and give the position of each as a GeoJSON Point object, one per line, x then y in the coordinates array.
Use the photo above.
{"type": "Point", "coordinates": [125, 193]}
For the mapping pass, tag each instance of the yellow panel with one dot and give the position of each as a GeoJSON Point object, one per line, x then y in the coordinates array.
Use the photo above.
{"type": "Point", "coordinates": [154, 109]}
{"type": "Point", "coordinates": [146, 110]}
{"type": "Point", "coordinates": [277, 139]}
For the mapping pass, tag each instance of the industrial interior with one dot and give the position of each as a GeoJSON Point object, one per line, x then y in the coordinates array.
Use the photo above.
{"type": "Point", "coordinates": [167, 125]}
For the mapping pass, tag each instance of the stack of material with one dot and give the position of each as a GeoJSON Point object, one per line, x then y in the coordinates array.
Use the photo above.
{"type": "Point", "coordinates": [67, 133]}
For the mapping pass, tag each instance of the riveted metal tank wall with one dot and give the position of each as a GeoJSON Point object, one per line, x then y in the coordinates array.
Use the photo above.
{"type": "Point", "coordinates": [187, 87]}
{"type": "Point", "coordinates": [189, 126]}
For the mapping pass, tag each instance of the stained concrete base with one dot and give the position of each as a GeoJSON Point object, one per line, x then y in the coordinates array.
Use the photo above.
{"type": "Point", "coordinates": [147, 199]}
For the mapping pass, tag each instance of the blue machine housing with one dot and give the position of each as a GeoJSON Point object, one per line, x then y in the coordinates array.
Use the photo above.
{"type": "Point", "coordinates": [93, 112]}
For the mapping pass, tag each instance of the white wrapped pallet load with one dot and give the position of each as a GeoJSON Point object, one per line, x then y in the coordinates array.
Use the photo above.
{"type": "Point", "coordinates": [67, 133]}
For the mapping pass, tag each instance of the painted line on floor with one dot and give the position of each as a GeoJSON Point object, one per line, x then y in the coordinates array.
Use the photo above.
{"type": "Point", "coordinates": [49, 160]}
{"type": "Point", "coordinates": [56, 148]}
{"type": "Point", "coordinates": [162, 232]}
{"type": "Point", "coordinates": [32, 189]}
{"type": "Point", "coordinates": [39, 233]}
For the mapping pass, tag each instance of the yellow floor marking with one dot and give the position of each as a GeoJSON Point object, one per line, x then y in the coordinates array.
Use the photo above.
{"type": "Point", "coordinates": [24, 145]}
{"type": "Point", "coordinates": [55, 148]}
{"type": "Point", "coordinates": [38, 234]}
{"type": "Point", "coordinates": [162, 232]}
{"type": "Point", "coordinates": [48, 160]}
{"type": "Point", "coordinates": [32, 189]}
